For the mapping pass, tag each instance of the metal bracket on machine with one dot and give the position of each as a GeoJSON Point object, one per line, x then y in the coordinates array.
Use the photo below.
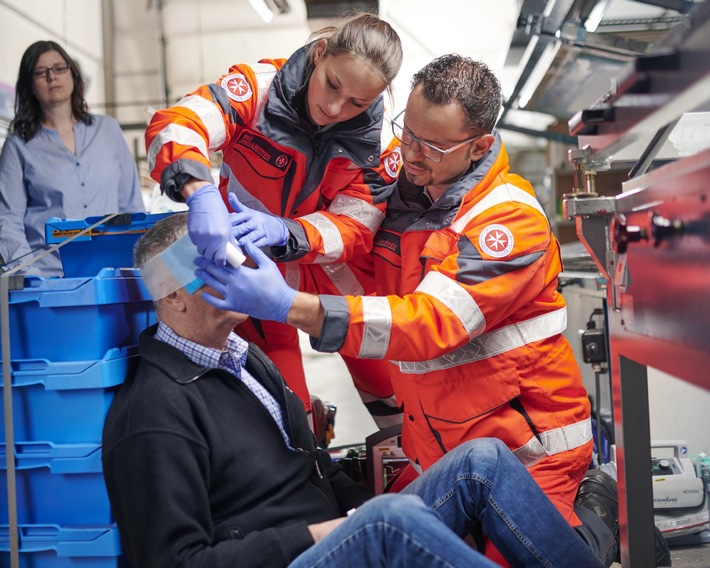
{"type": "Point", "coordinates": [596, 220]}
{"type": "Point", "coordinates": [585, 204]}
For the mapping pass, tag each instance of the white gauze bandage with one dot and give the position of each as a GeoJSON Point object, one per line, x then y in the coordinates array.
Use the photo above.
{"type": "Point", "coordinates": [172, 269]}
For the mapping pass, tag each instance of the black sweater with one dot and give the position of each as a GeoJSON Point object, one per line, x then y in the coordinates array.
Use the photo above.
{"type": "Point", "coordinates": [199, 475]}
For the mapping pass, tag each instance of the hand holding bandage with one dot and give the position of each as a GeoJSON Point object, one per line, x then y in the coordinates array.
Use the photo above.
{"type": "Point", "coordinates": [261, 229]}
{"type": "Point", "coordinates": [208, 223]}
{"type": "Point", "coordinates": [260, 292]}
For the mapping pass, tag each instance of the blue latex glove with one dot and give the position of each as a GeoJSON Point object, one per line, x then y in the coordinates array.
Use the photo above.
{"type": "Point", "coordinates": [262, 229]}
{"type": "Point", "coordinates": [208, 223]}
{"type": "Point", "coordinates": [260, 292]}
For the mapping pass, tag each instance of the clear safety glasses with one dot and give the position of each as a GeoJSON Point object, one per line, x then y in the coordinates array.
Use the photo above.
{"type": "Point", "coordinates": [429, 151]}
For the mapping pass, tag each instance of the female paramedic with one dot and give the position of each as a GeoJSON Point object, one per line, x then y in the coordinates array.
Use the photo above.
{"type": "Point", "coordinates": [301, 147]}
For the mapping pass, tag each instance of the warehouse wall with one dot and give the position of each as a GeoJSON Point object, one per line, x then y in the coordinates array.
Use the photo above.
{"type": "Point", "coordinates": [75, 24]}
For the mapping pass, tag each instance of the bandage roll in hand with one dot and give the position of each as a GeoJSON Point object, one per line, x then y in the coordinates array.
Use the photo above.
{"type": "Point", "coordinates": [235, 256]}
{"type": "Point", "coordinates": [209, 226]}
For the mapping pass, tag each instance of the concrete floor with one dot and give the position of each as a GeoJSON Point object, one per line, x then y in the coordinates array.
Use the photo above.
{"type": "Point", "coordinates": [695, 556]}
{"type": "Point", "coordinates": [329, 379]}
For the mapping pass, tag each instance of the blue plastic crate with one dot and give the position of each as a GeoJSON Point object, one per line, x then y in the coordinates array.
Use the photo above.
{"type": "Point", "coordinates": [58, 484]}
{"type": "Point", "coordinates": [78, 319]}
{"type": "Point", "coordinates": [53, 546]}
{"type": "Point", "coordinates": [65, 402]}
{"type": "Point", "coordinates": [107, 245]}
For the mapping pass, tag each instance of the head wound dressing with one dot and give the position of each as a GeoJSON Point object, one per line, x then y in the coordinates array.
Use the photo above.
{"type": "Point", "coordinates": [172, 269]}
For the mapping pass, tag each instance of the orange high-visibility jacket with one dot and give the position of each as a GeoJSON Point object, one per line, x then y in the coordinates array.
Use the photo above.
{"type": "Point", "coordinates": [333, 182]}
{"type": "Point", "coordinates": [469, 313]}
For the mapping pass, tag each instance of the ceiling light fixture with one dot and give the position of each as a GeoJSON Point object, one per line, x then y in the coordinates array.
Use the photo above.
{"type": "Point", "coordinates": [263, 9]}
{"type": "Point", "coordinates": [267, 9]}
{"type": "Point", "coordinates": [596, 15]}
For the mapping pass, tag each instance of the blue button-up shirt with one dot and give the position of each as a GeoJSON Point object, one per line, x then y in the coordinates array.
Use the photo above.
{"type": "Point", "coordinates": [42, 178]}
{"type": "Point", "coordinates": [232, 359]}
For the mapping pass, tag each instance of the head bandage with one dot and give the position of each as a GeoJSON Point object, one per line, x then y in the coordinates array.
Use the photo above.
{"type": "Point", "coordinates": [172, 269]}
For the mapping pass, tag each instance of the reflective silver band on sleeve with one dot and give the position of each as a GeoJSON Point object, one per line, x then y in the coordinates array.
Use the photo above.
{"type": "Point", "coordinates": [493, 343]}
{"type": "Point", "coordinates": [377, 315]}
{"type": "Point", "coordinates": [456, 298]}
{"type": "Point", "coordinates": [179, 135]}
{"type": "Point", "coordinates": [343, 278]}
{"type": "Point", "coordinates": [364, 213]}
{"type": "Point", "coordinates": [555, 441]}
{"type": "Point", "coordinates": [502, 194]}
{"type": "Point", "coordinates": [332, 239]}
{"type": "Point", "coordinates": [210, 115]}
{"type": "Point", "coordinates": [264, 73]}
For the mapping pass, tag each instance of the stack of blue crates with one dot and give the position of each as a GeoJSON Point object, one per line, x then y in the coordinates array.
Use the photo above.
{"type": "Point", "coordinates": [73, 341]}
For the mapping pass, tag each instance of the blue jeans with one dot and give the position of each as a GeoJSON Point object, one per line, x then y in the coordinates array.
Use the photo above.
{"type": "Point", "coordinates": [480, 481]}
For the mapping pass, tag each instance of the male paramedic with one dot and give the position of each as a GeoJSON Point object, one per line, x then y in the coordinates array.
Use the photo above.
{"type": "Point", "coordinates": [209, 461]}
{"type": "Point", "coordinates": [467, 309]}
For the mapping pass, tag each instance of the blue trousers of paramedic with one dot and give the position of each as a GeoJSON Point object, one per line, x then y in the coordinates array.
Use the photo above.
{"type": "Point", "coordinates": [481, 481]}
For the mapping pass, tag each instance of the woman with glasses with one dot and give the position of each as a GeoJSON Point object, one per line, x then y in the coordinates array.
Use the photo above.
{"type": "Point", "coordinates": [304, 165]}
{"type": "Point", "coordinates": [60, 160]}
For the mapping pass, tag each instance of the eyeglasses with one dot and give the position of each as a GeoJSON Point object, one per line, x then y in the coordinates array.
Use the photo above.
{"type": "Point", "coordinates": [429, 151]}
{"type": "Point", "coordinates": [58, 69]}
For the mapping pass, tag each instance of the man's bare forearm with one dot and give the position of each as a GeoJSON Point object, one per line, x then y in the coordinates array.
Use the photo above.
{"type": "Point", "coordinates": [306, 314]}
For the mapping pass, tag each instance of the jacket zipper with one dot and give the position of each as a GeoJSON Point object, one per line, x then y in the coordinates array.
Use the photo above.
{"type": "Point", "coordinates": [315, 460]}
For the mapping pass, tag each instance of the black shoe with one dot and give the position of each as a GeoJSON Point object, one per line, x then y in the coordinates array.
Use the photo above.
{"type": "Point", "coordinates": [598, 493]}
{"type": "Point", "coordinates": [663, 554]}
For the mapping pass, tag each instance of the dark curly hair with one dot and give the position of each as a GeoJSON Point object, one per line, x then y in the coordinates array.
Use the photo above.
{"type": "Point", "coordinates": [28, 112]}
{"type": "Point", "coordinates": [457, 79]}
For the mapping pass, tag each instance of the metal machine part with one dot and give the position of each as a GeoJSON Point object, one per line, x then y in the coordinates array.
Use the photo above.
{"type": "Point", "coordinates": [594, 346]}
{"type": "Point", "coordinates": [652, 244]}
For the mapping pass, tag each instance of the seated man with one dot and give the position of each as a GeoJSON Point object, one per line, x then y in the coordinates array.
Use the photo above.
{"type": "Point", "coordinates": [209, 461]}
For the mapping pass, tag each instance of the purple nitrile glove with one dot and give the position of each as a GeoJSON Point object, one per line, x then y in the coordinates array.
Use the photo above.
{"type": "Point", "coordinates": [208, 223]}
{"type": "Point", "coordinates": [262, 229]}
{"type": "Point", "coordinates": [260, 292]}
